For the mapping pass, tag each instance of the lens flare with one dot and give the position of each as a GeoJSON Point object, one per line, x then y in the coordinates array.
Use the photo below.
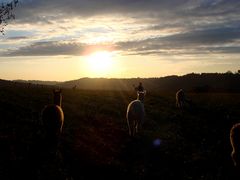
{"type": "Point", "coordinates": [157, 142]}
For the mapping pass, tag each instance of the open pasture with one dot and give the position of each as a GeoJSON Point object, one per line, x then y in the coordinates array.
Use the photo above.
{"type": "Point", "coordinates": [192, 143]}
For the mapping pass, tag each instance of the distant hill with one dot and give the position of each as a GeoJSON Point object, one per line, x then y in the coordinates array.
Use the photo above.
{"type": "Point", "coordinates": [37, 82]}
{"type": "Point", "coordinates": [5, 83]}
{"type": "Point", "coordinates": [204, 82]}
{"type": "Point", "coordinates": [104, 83]}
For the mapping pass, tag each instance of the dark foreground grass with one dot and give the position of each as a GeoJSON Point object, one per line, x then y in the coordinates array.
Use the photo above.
{"type": "Point", "coordinates": [181, 144]}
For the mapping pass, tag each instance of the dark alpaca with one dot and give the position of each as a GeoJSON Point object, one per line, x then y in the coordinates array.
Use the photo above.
{"type": "Point", "coordinates": [235, 143]}
{"type": "Point", "coordinates": [53, 116]}
{"type": "Point", "coordinates": [182, 100]}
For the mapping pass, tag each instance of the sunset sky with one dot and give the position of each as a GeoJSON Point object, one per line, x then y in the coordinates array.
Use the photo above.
{"type": "Point", "coordinates": [70, 39]}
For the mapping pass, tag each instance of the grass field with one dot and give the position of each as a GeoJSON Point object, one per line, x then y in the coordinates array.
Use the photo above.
{"type": "Point", "coordinates": [181, 144]}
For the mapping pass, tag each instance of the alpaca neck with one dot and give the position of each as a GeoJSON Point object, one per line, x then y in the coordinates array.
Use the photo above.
{"type": "Point", "coordinates": [58, 101]}
{"type": "Point", "coordinates": [140, 96]}
{"type": "Point", "coordinates": [140, 99]}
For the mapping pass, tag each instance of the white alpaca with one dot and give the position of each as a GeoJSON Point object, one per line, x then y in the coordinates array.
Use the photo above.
{"type": "Point", "coordinates": [235, 143]}
{"type": "Point", "coordinates": [135, 113]}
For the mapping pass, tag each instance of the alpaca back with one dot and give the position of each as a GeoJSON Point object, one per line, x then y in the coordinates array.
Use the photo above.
{"type": "Point", "coordinates": [135, 110]}
{"type": "Point", "coordinates": [235, 143]}
{"type": "Point", "coordinates": [53, 118]}
{"type": "Point", "coordinates": [235, 137]}
{"type": "Point", "coordinates": [135, 116]}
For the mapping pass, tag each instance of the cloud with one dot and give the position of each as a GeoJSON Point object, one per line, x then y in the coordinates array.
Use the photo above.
{"type": "Point", "coordinates": [88, 8]}
{"type": "Point", "coordinates": [41, 10]}
{"type": "Point", "coordinates": [14, 38]}
{"type": "Point", "coordinates": [208, 8]}
{"type": "Point", "coordinates": [55, 48]}
{"type": "Point", "coordinates": [219, 40]}
{"type": "Point", "coordinates": [156, 26]}
{"type": "Point", "coordinates": [206, 36]}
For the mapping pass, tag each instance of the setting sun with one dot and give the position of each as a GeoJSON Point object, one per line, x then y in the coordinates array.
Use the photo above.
{"type": "Point", "coordinates": [100, 63]}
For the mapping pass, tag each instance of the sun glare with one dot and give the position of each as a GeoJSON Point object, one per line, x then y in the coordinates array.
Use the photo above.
{"type": "Point", "coordinates": [100, 63]}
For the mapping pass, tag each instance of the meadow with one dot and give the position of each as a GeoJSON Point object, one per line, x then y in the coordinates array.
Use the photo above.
{"type": "Point", "coordinates": [192, 143]}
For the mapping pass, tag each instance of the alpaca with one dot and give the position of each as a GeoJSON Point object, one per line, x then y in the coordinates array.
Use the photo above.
{"type": "Point", "coordinates": [53, 116]}
{"type": "Point", "coordinates": [180, 98]}
{"type": "Point", "coordinates": [235, 143]}
{"type": "Point", "coordinates": [135, 113]}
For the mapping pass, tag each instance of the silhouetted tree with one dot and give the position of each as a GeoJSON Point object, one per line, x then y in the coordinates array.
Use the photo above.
{"type": "Point", "coordinates": [229, 72]}
{"type": "Point", "coordinates": [6, 13]}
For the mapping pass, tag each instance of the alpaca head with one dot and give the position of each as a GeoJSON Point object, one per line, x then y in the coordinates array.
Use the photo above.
{"type": "Point", "coordinates": [141, 95]}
